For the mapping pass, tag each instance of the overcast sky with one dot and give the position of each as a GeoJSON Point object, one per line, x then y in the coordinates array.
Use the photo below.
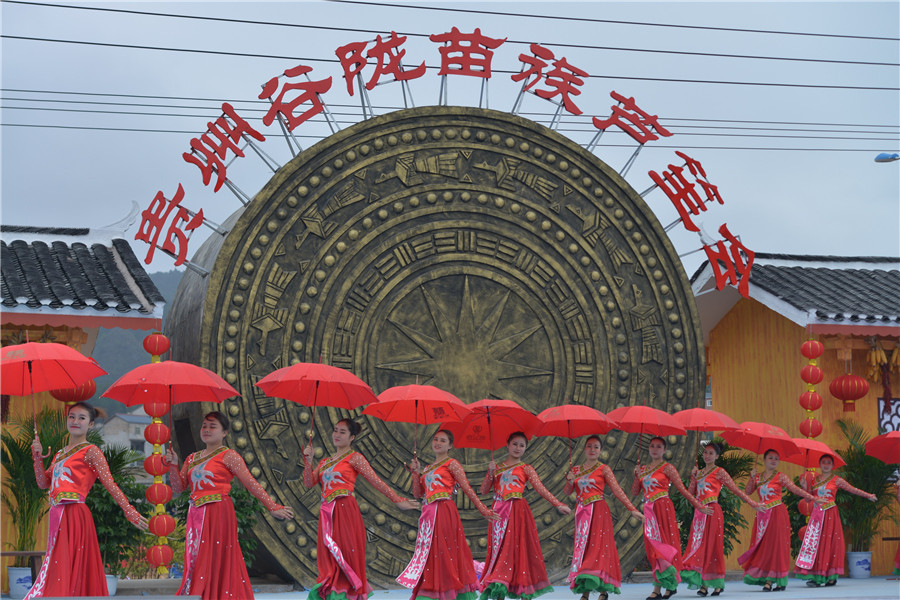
{"type": "Point", "coordinates": [99, 105]}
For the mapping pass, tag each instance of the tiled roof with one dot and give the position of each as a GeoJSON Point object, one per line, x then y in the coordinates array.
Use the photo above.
{"type": "Point", "coordinates": [71, 271]}
{"type": "Point", "coordinates": [823, 289]}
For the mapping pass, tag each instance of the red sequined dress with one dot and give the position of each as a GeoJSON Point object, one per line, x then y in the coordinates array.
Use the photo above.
{"type": "Point", "coordinates": [595, 558]}
{"type": "Point", "coordinates": [73, 565]}
{"type": "Point", "coordinates": [514, 565]}
{"type": "Point", "coordinates": [769, 557]}
{"type": "Point", "coordinates": [214, 567]}
{"type": "Point", "coordinates": [821, 556]}
{"type": "Point", "coordinates": [341, 544]}
{"type": "Point", "coordinates": [704, 557]}
{"type": "Point", "coordinates": [441, 567]}
{"type": "Point", "coordinates": [662, 541]}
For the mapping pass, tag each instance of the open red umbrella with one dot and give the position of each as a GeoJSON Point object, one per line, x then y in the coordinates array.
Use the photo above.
{"type": "Point", "coordinates": [809, 452]}
{"type": "Point", "coordinates": [645, 419]}
{"type": "Point", "coordinates": [703, 419]}
{"type": "Point", "coordinates": [315, 384]}
{"type": "Point", "coordinates": [571, 421]}
{"type": "Point", "coordinates": [490, 423]}
{"type": "Point", "coordinates": [885, 447]}
{"type": "Point", "coordinates": [169, 382]}
{"type": "Point", "coordinates": [416, 404]}
{"type": "Point", "coordinates": [759, 437]}
{"type": "Point", "coordinates": [32, 367]}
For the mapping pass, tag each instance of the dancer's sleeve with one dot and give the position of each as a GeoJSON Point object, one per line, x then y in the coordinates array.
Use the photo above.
{"type": "Point", "coordinates": [616, 489]}
{"type": "Point", "coordinates": [692, 487]}
{"type": "Point", "coordinates": [636, 485]}
{"type": "Point", "coordinates": [675, 479]}
{"type": "Point", "coordinates": [95, 460]}
{"type": "Point", "coordinates": [310, 474]}
{"type": "Point", "coordinates": [487, 483]}
{"type": "Point", "coordinates": [238, 468]}
{"type": "Point", "coordinates": [841, 483]}
{"type": "Point", "coordinates": [417, 490]}
{"type": "Point", "coordinates": [177, 478]}
{"type": "Point", "coordinates": [535, 482]}
{"type": "Point", "coordinates": [728, 482]}
{"type": "Point", "coordinates": [362, 466]}
{"type": "Point", "coordinates": [41, 475]}
{"type": "Point", "coordinates": [751, 485]}
{"type": "Point", "coordinates": [459, 475]}
{"type": "Point", "coordinates": [786, 482]}
{"type": "Point", "coordinates": [570, 485]}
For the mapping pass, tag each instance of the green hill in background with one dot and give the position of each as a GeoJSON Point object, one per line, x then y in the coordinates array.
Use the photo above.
{"type": "Point", "coordinates": [120, 350]}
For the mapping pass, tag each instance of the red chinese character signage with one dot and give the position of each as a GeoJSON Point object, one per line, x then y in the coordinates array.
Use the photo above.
{"type": "Point", "coordinates": [466, 53]}
{"type": "Point", "coordinates": [632, 120]}
{"type": "Point", "coordinates": [227, 133]}
{"type": "Point", "coordinates": [683, 193]}
{"type": "Point", "coordinates": [298, 94]}
{"type": "Point", "coordinates": [731, 264]}
{"type": "Point", "coordinates": [154, 218]}
{"type": "Point", "coordinates": [388, 61]}
{"type": "Point", "coordinates": [562, 80]}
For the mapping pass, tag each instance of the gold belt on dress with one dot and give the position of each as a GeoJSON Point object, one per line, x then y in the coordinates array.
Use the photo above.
{"type": "Point", "coordinates": [657, 496]}
{"type": "Point", "coordinates": [66, 496]}
{"type": "Point", "coordinates": [335, 494]}
{"type": "Point", "coordinates": [206, 499]}
{"type": "Point", "coordinates": [437, 496]}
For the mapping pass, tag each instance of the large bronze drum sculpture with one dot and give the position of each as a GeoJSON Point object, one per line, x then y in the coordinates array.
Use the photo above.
{"type": "Point", "coordinates": [464, 248]}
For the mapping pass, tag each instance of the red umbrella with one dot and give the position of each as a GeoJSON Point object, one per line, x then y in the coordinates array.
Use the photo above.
{"type": "Point", "coordinates": [571, 421]}
{"type": "Point", "coordinates": [32, 367]}
{"type": "Point", "coordinates": [885, 447]}
{"type": "Point", "coordinates": [644, 419]}
{"type": "Point", "coordinates": [417, 404]}
{"type": "Point", "coordinates": [490, 423]}
{"type": "Point", "coordinates": [810, 451]}
{"type": "Point", "coordinates": [169, 382]}
{"type": "Point", "coordinates": [703, 419]}
{"type": "Point", "coordinates": [759, 437]}
{"type": "Point", "coordinates": [315, 384]}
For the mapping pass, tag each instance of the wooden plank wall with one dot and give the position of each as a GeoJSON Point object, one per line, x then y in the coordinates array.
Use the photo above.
{"type": "Point", "coordinates": [754, 369]}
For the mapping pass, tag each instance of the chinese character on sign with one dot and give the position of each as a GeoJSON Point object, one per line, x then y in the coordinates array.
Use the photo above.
{"type": "Point", "coordinates": [683, 193]}
{"type": "Point", "coordinates": [466, 53]}
{"type": "Point", "coordinates": [310, 91]}
{"type": "Point", "coordinates": [388, 61]}
{"type": "Point", "coordinates": [154, 218]}
{"type": "Point", "coordinates": [562, 80]}
{"type": "Point", "coordinates": [737, 261]}
{"type": "Point", "coordinates": [213, 152]}
{"type": "Point", "coordinates": [632, 120]}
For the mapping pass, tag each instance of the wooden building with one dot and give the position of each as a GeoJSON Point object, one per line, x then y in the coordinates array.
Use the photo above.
{"type": "Point", "coordinates": [62, 285]}
{"type": "Point", "coordinates": [753, 348]}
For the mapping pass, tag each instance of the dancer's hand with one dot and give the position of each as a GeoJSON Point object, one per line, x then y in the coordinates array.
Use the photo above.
{"type": "Point", "coordinates": [563, 509]}
{"type": "Point", "coordinates": [407, 504]}
{"type": "Point", "coordinates": [171, 457]}
{"type": "Point", "coordinates": [570, 476]}
{"type": "Point", "coordinates": [308, 452]}
{"type": "Point", "coordinates": [873, 497]}
{"type": "Point", "coordinates": [414, 466]}
{"type": "Point", "coordinates": [36, 447]}
{"type": "Point", "coordinates": [637, 470]}
{"type": "Point", "coordinates": [637, 514]}
{"type": "Point", "coordinates": [492, 466]}
{"type": "Point", "coordinates": [695, 472]}
{"type": "Point", "coordinates": [285, 512]}
{"type": "Point", "coordinates": [137, 519]}
{"type": "Point", "coordinates": [706, 510]}
{"type": "Point", "coordinates": [491, 516]}
{"type": "Point", "coordinates": [820, 501]}
{"type": "Point", "coordinates": [752, 472]}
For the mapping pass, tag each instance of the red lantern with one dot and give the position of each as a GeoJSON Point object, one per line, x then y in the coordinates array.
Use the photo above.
{"type": "Point", "coordinates": [810, 401]}
{"type": "Point", "coordinates": [804, 506]}
{"type": "Point", "coordinates": [154, 465]}
{"type": "Point", "coordinates": [811, 374]}
{"type": "Point", "coordinates": [156, 409]}
{"type": "Point", "coordinates": [157, 433]}
{"type": "Point", "coordinates": [801, 533]}
{"type": "Point", "coordinates": [811, 428]}
{"type": "Point", "coordinates": [812, 349]}
{"type": "Point", "coordinates": [156, 344]}
{"type": "Point", "coordinates": [849, 388]}
{"type": "Point", "coordinates": [77, 394]}
{"type": "Point", "coordinates": [158, 493]}
{"type": "Point", "coordinates": [159, 555]}
{"type": "Point", "coordinates": [162, 525]}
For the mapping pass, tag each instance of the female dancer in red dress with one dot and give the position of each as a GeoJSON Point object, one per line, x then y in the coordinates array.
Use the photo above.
{"type": "Point", "coordinates": [214, 567]}
{"type": "Point", "coordinates": [441, 567]}
{"type": "Point", "coordinates": [821, 557]}
{"type": "Point", "coordinates": [704, 558]}
{"type": "Point", "coordinates": [768, 560]}
{"type": "Point", "coordinates": [73, 566]}
{"type": "Point", "coordinates": [595, 560]}
{"type": "Point", "coordinates": [661, 538]}
{"type": "Point", "coordinates": [341, 545]}
{"type": "Point", "coordinates": [514, 566]}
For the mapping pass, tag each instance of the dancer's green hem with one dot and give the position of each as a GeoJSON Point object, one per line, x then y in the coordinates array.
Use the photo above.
{"type": "Point", "coordinates": [695, 581]}
{"type": "Point", "coordinates": [585, 584]}
{"type": "Point", "coordinates": [818, 579]}
{"type": "Point", "coordinates": [315, 595]}
{"type": "Point", "coordinates": [896, 571]}
{"type": "Point", "coordinates": [498, 591]}
{"type": "Point", "coordinates": [463, 596]}
{"type": "Point", "coordinates": [776, 582]}
{"type": "Point", "coordinates": [667, 579]}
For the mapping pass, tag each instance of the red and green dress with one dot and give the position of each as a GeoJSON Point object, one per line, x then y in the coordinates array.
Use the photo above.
{"type": "Point", "coordinates": [595, 558]}
{"type": "Point", "coordinates": [441, 567]}
{"type": "Point", "coordinates": [768, 559]}
{"type": "Point", "coordinates": [214, 566]}
{"type": "Point", "coordinates": [341, 543]}
{"type": "Point", "coordinates": [821, 557]}
{"type": "Point", "coordinates": [73, 565]}
{"type": "Point", "coordinates": [514, 565]}
{"type": "Point", "coordinates": [704, 558]}
{"type": "Point", "coordinates": [662, 541]}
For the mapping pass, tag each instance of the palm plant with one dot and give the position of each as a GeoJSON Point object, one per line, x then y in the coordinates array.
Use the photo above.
{"type": "Point", "coordinates": [737, 464]}
{"type": "Point", "coordinates": [25, 501]}
{"type": "Point", "coordinates": [861, 518]}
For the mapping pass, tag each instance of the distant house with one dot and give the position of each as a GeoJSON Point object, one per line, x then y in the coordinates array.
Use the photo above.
{"type": "Point", "coordinates": [753, 347]}
{"type": "Point", "coordinates": [127, 429]}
